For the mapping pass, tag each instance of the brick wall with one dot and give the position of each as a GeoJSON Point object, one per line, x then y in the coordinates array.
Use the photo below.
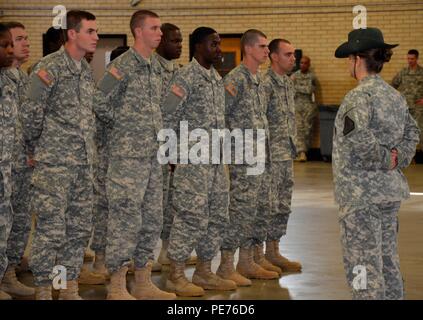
{"type": "Point", "coordinates": [315, 26]}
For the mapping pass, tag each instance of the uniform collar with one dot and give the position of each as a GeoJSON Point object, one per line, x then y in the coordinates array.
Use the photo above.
{"type": "Point", "coordinates": [71, 64]}
{"type": "Point", "coordinates": [168, 65]}
{"type": "Point", "coordinates": [281, 80]}
{"type": "Point", "coordinates": [247, 72]}
{"type": "Point", "coordinates": [370, 78]}
{"type": "Point", "coordinates": [214, 75]}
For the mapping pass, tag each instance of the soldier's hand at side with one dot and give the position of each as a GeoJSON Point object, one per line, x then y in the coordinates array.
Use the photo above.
{"type": "Point", "coordinates": [394, 159]}
{"type": "Point", "coordinates": [419, 102]}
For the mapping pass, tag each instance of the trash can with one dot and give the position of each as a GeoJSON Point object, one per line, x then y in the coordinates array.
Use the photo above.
{"type": "Point", "coordinates": [327, 114]}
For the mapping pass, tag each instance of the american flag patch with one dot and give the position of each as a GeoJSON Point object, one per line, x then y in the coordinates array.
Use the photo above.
{"type": "Point", "coordinates": [116, 73]}
{"type": "Point", "coordinates": [231, 89]}
{"type": "Point", "coordinates": [45, 76]}
{"type": "Point", "coordinates": [178, 91]}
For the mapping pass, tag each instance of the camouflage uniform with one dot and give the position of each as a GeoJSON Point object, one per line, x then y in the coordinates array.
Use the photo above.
{"type": "Point", "coordinates": [128, 99]}
{"type": "Point", "coordinates": [372, 120]}
{"type": "Point", "coordinates": [410, 84]}
{"type": "Point", "coordinates": [58, 122]}
{"type": "Point", "coordinates": [281, 117]}
{"type": "Point", "coordinates": [21, 177]}
{"type": "Point", "coordinates": [9, 110]}
{"type": "Point", "coordinates": [201, 192]}
{"type": "Point", "coordinates": [305, 108]}
{"type": "Point", "coordinates": [246, 109]}
{"type": "Point", "coordinates": [168, 69]}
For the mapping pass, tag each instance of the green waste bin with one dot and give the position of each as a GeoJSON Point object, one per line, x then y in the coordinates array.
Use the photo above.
{"type": "Point", "coordinates": [327, 114]}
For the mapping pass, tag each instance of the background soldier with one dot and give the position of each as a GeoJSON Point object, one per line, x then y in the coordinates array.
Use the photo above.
{"type": "Point", "coordinates": [129, 100]}
{"type": "Point", "coordinates": [201, 194]}
{"type": "Point", "coordinates": [246, 109]}
{"type": "Point", "coordinates": [369, 154]}
{"type": "Point", "coordinates": [9, 108]}
{"type": "Point", "coordinates": [21, 171]}
{"type": "Point", "coordinates": [409, 81]}
{"type": "Point", "coordinates": [281, 116]}
{"type": "Point", "coordinates": [58, 120]}
{"type": "Point", "coordinates": [305, 83]}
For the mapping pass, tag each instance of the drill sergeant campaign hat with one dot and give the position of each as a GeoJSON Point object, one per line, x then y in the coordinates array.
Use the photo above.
{"type": "Point", "coordinates": [360, 40]}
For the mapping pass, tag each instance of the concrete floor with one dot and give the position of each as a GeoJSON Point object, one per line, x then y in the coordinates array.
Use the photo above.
{"type": "Point", "coordinates": [313, 239]}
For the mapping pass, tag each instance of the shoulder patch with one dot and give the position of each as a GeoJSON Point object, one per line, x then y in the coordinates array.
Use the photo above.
{"type": "Point", "coordinates": [231, 89]}
{"type": "Point", "coordinates": [45, 77]}
{"type": "Point", "coordinates": [116, 73]}
{"type": "Point", "coordinates": [178, 91]}
{"type": "Point", "coordinates": [349, 125]}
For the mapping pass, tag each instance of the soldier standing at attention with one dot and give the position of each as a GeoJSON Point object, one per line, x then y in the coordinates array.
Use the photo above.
{"type": "Point", "coordinates": [246, 109]}
{"type": "Point", "coordinates": [281, 116]}
{"type": "Point", "coordinates": [170, 48]}
{"type": "Point", "coordinates": [9, 113]}
{"type": "Point", "coordinates": [375, 138]}
{"type": "Point", "coordinates": [409, 81]}
{"type": "Point", "coordinates": [305, 107]}
{"type": "Point", "coordinates": [201, 191]}
{"type": "Point", "coordinates": [128, 100]}
{"type": "Point", "coordinates": [58, 122]}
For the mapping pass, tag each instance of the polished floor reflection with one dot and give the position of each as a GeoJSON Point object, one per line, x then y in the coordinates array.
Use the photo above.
{"type": "Point", "coordinates": [313, 239]}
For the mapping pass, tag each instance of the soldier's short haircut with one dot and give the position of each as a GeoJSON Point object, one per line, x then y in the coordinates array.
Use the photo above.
{"type": "Point", "coordinates": [168, 28]}
{"type": "Point", "coordinates": [138, 18]}
{"type": "Point", "coordinates": [274, 46]}
{"type": "Point", "coordinates": [414, 52]}
{"type": "Point", "coordinates": [14, 24]}
{"type": "Point", "coordinates": [250, 38]}
{"type": "Point", "coordinates": [199, 35]}
{"type": "Point", "coordinates": [74, 20]}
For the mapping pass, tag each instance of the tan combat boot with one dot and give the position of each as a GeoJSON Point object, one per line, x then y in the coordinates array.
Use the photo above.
{"type": "Point", "coordinates": [43, 293]}
{"type": "Point", "coordinates": [157, 267]}
{"type": "Point", "coordinates": [227, 271]}
{"type": "Point", "coordinates": [144, 289]}
{"type": "Point", "coordinates": [249, 269]}
{"type": "Point", "coordinates": [71, 292]}
{"type": "Point", "coordinates": [178, 283]}
{"type": "Point", "coordinates": [204, 278]}
{"type": "Point", "coordinates": [4, 295]}
{"type": "Point", "coordinates": [117, 288]}
{"type": "Point", "coordinates": [275, 258]}
{"type": "Point", "coordinates": [164, 260]}
{"type": "Point", "coordinates": [99, 266]}
{"type": "Point", "coordinates": [89, 277]}
{"type": "Point", "coordinates": [302, 157]}
{"type": "Point", "coordinates": [88, 255]}
{"type": "Point", "coordinates": [11, 284]}
{"type": "Point", "coordinates": [260, 259]}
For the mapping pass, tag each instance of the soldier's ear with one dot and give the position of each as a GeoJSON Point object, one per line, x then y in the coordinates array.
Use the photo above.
{"type": "Point", "coordinates": [71, 34]}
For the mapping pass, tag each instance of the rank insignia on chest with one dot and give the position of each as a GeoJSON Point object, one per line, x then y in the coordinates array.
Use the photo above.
{"type": "Point", "coordinates": [116, 73]}
{"type": "Point", "coordinates": [178, 91]}
{"type": "Point", "coordinates": [45, 77]}
{"type": "Point", "coordinates": [231, 89]}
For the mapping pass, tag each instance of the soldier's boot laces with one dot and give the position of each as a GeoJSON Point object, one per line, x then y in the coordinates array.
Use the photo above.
{"type": "Point", "coordinates": [117, 287]}
{"type": "Point", "coordinates": [13, 286]}
{"type": "Point", "coordinates": [71, 292]}
{"type": "Point", "coordinates": [43, 293]}
{"type": "Point", "coordinates": [89, 277]}
{"type": "Point", "coordinates": [99, 266]}
{"type": "Point", "coordinates": [144, 289]}
{"type": "Point", "coordinates": [249, 269]}
{"type": "Point", "coordinates": [178, 283]}
{"type": "Point", "coordinates": [261, 260]}
{"type": "Point", "coordinates": [203, 277]}
{"type": "Point", "coordinates": [227, 271]}
{"type": "Point", "coordinates": [274, 257]}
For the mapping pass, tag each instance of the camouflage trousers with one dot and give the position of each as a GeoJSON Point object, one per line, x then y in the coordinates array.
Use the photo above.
{"type": "Point", "coordinates": [6, 214]}
{"type": "Point", "coordinates": [21, 226]}
{"type": "Point", "coordinates": [282, 183]}
{"type": "Point", "coordinates": [62, 202]}
{"type": "Point", "coordinates": [135, 194]}
{"type": "Point", "coordinates": [100, 207]}
{"type": "Point", "coordinates": [417, 114]}
{"type": "Point", "coordinates": [200, 199]}
{"type": "Point", "coordinates": [168, 210]}
{"type": "Point", "coordinates": [305, 113]}
{"type": "Point", "coordinates": [248, 208]}
{"type": "Point", "coordinates": [370, 250]}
